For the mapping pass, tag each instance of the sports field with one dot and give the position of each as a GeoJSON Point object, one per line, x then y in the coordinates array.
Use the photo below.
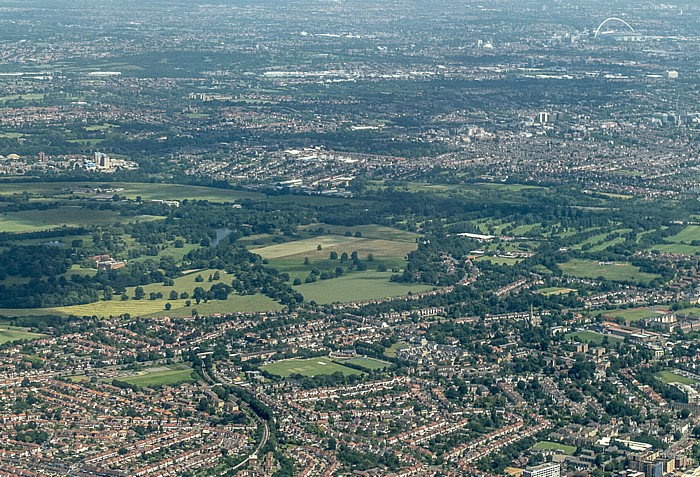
{"type": "Point", "coordinates": [615, 271]}
{"type": "Point", "coordinates": [556, 291]}
{"type": "Point", "coordinates": [592, 337]}
{"type": "Point", "coordinates": [555, 446]}
{"type": "Point", "coordinates": [161, 376]}
{"type": "Point", "coordinates": [669, 377]}
{"type": "Point", "coordinates": [367, 363]}
{"type": "Point", "coordinates": [633, 314]}
{"type": "Point", "coordinates": [307, 367]}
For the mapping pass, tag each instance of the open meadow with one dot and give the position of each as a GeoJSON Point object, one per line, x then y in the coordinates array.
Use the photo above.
{"type": "Point", "coordinates": [359, 286]}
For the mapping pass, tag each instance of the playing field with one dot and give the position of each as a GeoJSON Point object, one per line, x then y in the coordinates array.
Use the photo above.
{"type": "Point", "coordinates": [499, 260]}
{"type": "Point", "coordinates": [555, 446]}
{"type": "Point", "coordinates": [162, 376]}
{"type": "Point", "coordinates": [358, 286]}
{"type": "Point", "coordinates": [592, 337]}
{"type": "Point", "coordinates": [615, 271]}
{"type": "Point", "coordinates": [11, 333]}
{"type": "Point", "coordinates": [633, 314]}
{"type": "Point", "coordinates": [556, 291]}
{"type": "Point", "coordinates": [367, 363]}
{"type": "Point", "coordinates": [307, 367]}
{"type": "Point", "coordinates": [669, 377]}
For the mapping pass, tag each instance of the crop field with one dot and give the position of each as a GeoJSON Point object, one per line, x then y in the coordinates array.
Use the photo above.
{"type": "Point", "coordinates": [11, 333]}
{"type": "Point", "coordinates": [307, 367]}
{"type": "Point", "coordinates": [555, 446]}
{"type": "Point", "coordinates": [592, 337]}
{"type": "Point", "coordinates": [161, 376]}
{"type": "Point", "coordinates": [367, 363]}
{"type": "Point", "coordinates": [616, 271]}
{"type": "Point", "coordinates": [35, 220]}
{"type": "Point", "coordinates": [358, 286]}
{"type": "Point", "coordinates": [669, 377]}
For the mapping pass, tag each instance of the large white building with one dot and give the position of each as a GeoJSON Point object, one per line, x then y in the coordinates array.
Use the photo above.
{"type": "Point", "coordinates": [543, 470]}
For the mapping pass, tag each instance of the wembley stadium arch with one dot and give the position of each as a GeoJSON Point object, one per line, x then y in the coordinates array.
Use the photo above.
{"type": "Point", "coordinates": [612, 19]}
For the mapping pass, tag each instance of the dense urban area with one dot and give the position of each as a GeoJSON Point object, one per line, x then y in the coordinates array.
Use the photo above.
{"type": "Point", "coordinates": [342, 238]}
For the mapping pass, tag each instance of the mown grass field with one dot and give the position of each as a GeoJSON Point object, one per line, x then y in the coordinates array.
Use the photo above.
{"type": "Point", "coordinates": [161, 376]}
{"type": "Point", "coordinates": [358, 286]}
{"type": "Point", "coordinates": [307, 367]}
{"type": "Point", "coordinates": [617, 271]}
{"type": "Point", "coordinates": [555, 446]}
{"type": "Point", "coordinates": [499, 260]}
{"type": "Point", "coordinates": [592, 337]}
{"type": "Point", "coordinates": [633, 314]}
{"type": "Point", "coordinates": [367, 363]}
{"type": "Point", "coordinates": [556, 291]}
{"type": "Point", "coordinates": [669, 377]}
{"type": "Point", "coordinates": [12, 333]}
{"type": "Point", "coordinates": [681, 242]}
{"type": "Point", "coordinates": [35, 220]}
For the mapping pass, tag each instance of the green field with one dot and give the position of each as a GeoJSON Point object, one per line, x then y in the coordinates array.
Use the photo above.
{"type": "Point", "coordinates": [145, 306]}
{"type": "Point", "coordinates": [367, 363]}
{"type": "Point", "coordinates": [633, 314]}
{"type": "Point", "coordinates": [616, 271]}
{"type": "Point", "coordinates": [499, 260]}
{"type": "Point", "coordinates": [681, 242]}
{"type": "Point", "coordinates": [358, 286]}
{"type": "Point", "coordinates": [300, 247]}
{"type": "Point", "coordinates": [556, 291]}
{"type": "Point", "coordinates": [669, 377]}
{"type": "Point", "coordinates": [592, 337]}
{"type": "Point", "coordinates": [390, 352]}
{"type": "Point", "coordinates": [307, 367]}
{"type": "Point", "coordinates": [367, 231]}
{"type": "Point", "coordinates": [148, 191]}
{"type": "Point", "coordinates": [35, 220]}
{"type": "Point", "coordinates": [161, 376]}
{"type": "Point", "coordinates": [11, 333]}
{"type": "Point", "coordinates": [555, 446]}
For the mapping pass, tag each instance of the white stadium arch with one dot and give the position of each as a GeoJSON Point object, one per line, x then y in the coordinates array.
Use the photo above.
{"type": "Point", "coordinates": [612, 19]}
